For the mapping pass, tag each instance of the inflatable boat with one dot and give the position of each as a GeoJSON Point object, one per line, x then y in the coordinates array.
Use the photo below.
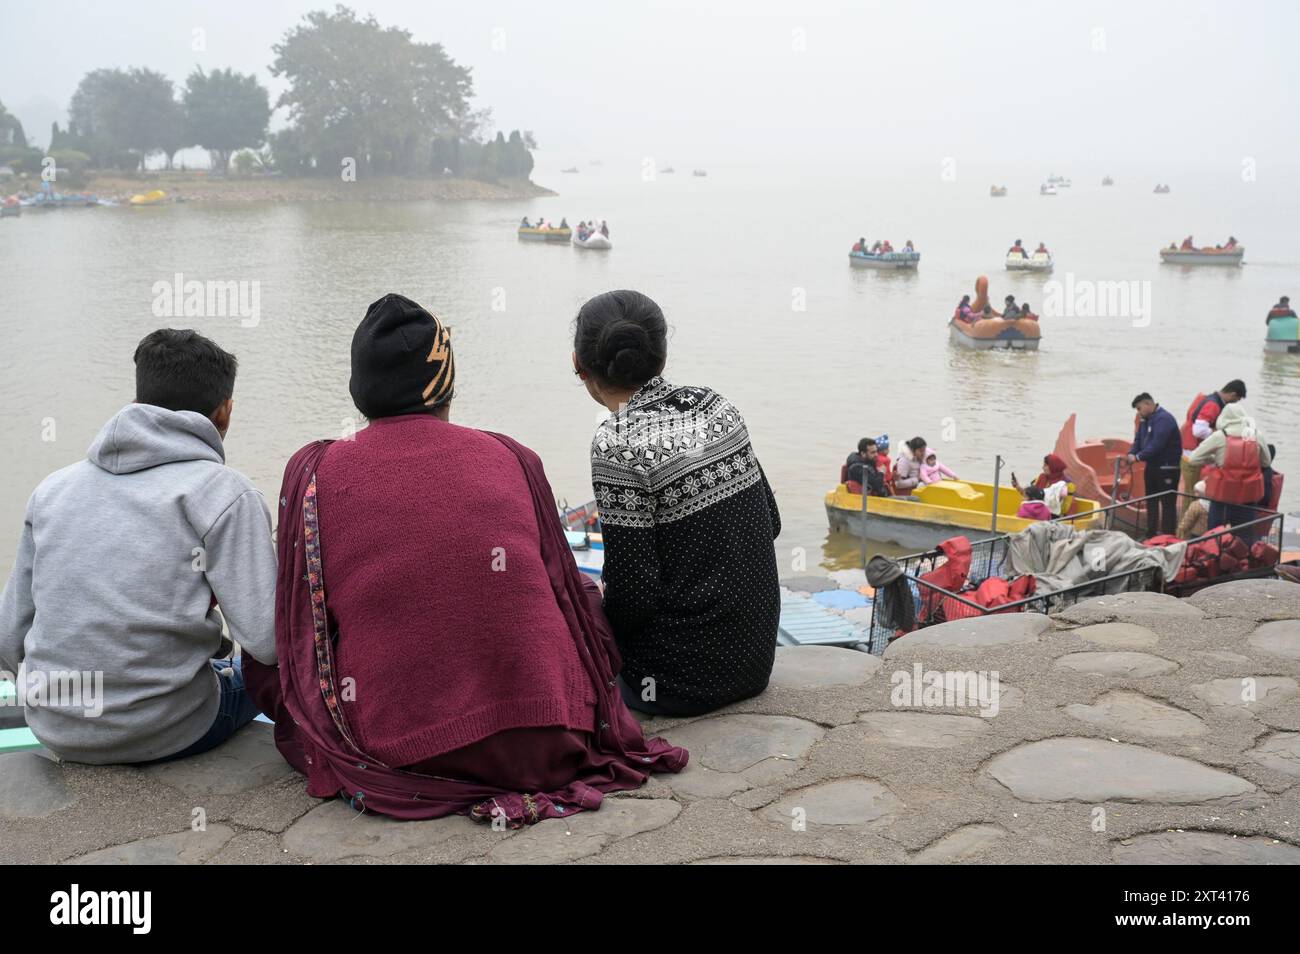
{"type": "Point", "coordinates": [936, 512]}
{"type": "Point", "coordinates": [997, 191]}
{"type": "Point", "coordinates": [149, 198]}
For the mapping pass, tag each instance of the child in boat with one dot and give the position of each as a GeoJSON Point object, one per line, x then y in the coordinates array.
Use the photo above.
{"type": "Point", "coordinates": [932, 471]}
{"type": "Point", "coordinates": [124, 562]}
{"type": "Point", "coordinates": [1033, 507]}
{"type": "Point", "coordinates": [964, 312]}
{"type": "Point", "coordinates": [690, 573]}
{"type": "Point", "coordinates": [1010, 310]}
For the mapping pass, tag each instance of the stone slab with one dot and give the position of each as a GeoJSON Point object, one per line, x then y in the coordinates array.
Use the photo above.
{"type": "Point", "coordinates": [248, 760]}
{"type": "Point", "coordinates": [559, 840]}
{"type": "Point", "coordinates": [1130, 608]}
{"type": "Point", "coordinates": [1279, 752]}
{"type": "Point", "coordinates": [922, 730]}
{"type": "Point", "coordinates": [981, 632]}
{"type": "Point", "coordinates": [1250, 599]}
{"type": "Point", "coordinates": [31, 786]}
{"type": "Point", "coordinates": [1281, 638]}
{"type": "Point", "coordinates": [961, 845]}
{"type": "Point", "coordinates": [1093, 770]}
{"type": "Point", "coordinates": [1247, 692]}
{"type": "Point", "coordinates": [845, 803]}
{"type": "Point", "coordinates": [1118, 635]}
{"type": "Point", "coordinates": [821, 667]}
{"type": "Point", "coordinates": [1134, 713]}
{"type": "Point", "coordinates": [1121, 665]}
{"type": "Point", "coordinates": [180, 848]}
{"type": "Point", "coordinates": [1203, 848]}
{"type": "Point", "coordinates": [333, 831]}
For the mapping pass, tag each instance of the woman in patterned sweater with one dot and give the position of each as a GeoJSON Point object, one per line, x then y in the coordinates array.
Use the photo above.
{"type": "Point", "coordinates": [688, 520]}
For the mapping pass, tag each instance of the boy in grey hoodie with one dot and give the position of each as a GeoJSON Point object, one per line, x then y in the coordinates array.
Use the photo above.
{"type": "Point", "coordinates": [124, 559]}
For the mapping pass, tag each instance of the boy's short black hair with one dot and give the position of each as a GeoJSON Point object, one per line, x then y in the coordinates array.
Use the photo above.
{"type": "Point", "coordinates": [181, 370]}
{"type": "Point", "coordinates": [865, 443]}
{"type": "Point", "coordinates": [1237, 387]}
{"type": "Point", "coordinates": [1144, 396]}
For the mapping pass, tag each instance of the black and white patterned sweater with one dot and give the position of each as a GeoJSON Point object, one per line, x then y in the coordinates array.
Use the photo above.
{"type": "Point", "coordinates": [690, 570]}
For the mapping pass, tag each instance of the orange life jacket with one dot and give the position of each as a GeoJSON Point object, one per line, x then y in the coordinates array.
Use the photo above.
{"type": "Point", "coordinates": [1241, 479]}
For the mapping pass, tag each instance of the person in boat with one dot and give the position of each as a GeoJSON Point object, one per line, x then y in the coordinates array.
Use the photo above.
{"type": "Point", "coordinates": [886, 247]}
{"type": "Point", "coordinates": [859, 246]}
{"type": "Point", "coordinates": [1282, 309]}
{"type": "Point", "coordinates": [1027, 312]}
{"type": "Point", "coordinates": [1229, 245]}
{"type": "Point", "coordinates": [1158, 444]}
{"type": "Point", "coordinates": [1188, 245]}
{"type": "Point", "coordinates": [963, 312]}
{"type": "Point", "coordinates": [564, 223]}
{"type": "Point", "coordinates": [604, 229]}
{"type": "Point", "coordinates": [690, 570]}
{"type": "Point", "coordinates": [875, 249]}
{"type": "Point", "coordinates": [1199, 422]}
{"type": "Point", "coordinates": [883, 463]}
{"type": "Point", "coordinates": [907, 466]}
{"type": "Point", "coordinates": [1018, 249]}
{"type": "Point", "coordinates": [933, 470]}
{"type": "Point", "coordinates": [1033, 507]}
{"type": "Point", "coordinates": [1195, 520]}
{"type": "Point", "coordinates": [1053, 472]}
{"type": "Point", "coordinates": [128, 564]}
{"type": "Point", "coordinates": [416, 678]}
{"type": "Point", "coordinates": [1237, 461]}
{"type": "Point", "coordinates": [1041, 250]}
{"type": "Point", "coordinates": [1010, 310]}
{"type": "Point", "coordinates": [525, 224]}
{"type": "Point", "coordinates": [864, 469]}
{"type": "Point", "coordinates": [908, 247]}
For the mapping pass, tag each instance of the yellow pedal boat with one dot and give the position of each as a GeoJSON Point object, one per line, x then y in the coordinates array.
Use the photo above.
{"type": "Point", "coordinates": [939, 511]}
{"type": "Point", "coordinates": [149, 198]}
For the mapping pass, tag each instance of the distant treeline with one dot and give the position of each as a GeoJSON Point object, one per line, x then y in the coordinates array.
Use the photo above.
{"type": "Point", "coordinates": [359, 95]}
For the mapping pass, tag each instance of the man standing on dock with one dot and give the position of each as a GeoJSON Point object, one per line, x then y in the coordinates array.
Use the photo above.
{"type": "Point", "coordinates": [1159, 445]}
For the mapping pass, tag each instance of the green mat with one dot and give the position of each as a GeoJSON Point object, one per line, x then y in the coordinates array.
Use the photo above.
{"type": "Point", "coordinates": [17, 740]}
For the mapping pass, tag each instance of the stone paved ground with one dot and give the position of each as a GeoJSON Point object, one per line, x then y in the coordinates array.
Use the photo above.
{"type": "Point", "coordinates": [1130, 729]}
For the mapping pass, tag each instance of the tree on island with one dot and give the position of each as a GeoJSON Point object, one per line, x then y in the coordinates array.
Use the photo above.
{"type": "Point", "coordinates": [370, 93]}
{"type": "Point", "coordinates": [225, 111]}
{"type": "Point", "coordinates": [11, 130]}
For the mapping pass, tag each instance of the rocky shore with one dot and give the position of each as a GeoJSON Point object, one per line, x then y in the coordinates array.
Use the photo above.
{"type": "Point", "coordinates": [1129, 729]}
{"type": "Point", "coordinates": [199, 187]}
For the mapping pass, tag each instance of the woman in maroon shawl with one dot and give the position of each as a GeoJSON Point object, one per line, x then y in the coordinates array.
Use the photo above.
{"type": "Point", "coordinates": [439, 650]}
{"type": "Point", "coordinates": [1053, 472]}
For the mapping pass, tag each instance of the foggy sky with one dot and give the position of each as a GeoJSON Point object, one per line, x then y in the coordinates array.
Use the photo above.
{"type": "Point", "coordinates": [1193, 81]}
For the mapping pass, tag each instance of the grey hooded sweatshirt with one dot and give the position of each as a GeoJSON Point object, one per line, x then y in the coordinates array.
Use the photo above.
{"type": "Point", "coordinates": [123, 559]}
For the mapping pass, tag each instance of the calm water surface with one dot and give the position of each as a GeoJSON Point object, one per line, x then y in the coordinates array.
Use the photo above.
{"type": "Point", "coordinates": [748, 264]}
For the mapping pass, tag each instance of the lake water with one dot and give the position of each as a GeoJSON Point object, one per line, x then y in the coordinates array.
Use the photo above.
{"type": "Point", "coordinates": [750, 267]}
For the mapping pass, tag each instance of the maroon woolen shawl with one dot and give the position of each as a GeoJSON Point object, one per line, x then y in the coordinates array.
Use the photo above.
{"type": "Point", "coordinates": [294, 693]}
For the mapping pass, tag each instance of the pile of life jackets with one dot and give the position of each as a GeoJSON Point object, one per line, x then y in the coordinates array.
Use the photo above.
{"type": "Point", "coordinates": [1220, 553]}
{"type": "Point", "coordinates": [940, 607]}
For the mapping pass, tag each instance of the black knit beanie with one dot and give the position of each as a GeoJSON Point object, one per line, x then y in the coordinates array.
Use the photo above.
{"type": "Point", "coordinates": [401, 360]}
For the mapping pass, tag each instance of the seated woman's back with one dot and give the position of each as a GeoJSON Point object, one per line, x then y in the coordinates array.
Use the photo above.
{"type": "Point", "coordinates": [437, 587]}
{"type": "Point", "coordinates": [688, 518]}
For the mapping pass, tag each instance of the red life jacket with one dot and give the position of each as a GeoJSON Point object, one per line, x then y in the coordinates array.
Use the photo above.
{"type": "Point", "coordinates": [1241, 479]}
{"type": "Point", "coordinates": [1190, 442]}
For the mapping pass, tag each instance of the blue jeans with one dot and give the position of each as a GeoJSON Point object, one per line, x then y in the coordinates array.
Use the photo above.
{"type": "Point", "coordinates": [234, 711]}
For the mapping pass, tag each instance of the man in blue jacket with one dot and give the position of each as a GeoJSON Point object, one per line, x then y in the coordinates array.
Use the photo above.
{"type": "Point", "coordinates": [1159, 445]}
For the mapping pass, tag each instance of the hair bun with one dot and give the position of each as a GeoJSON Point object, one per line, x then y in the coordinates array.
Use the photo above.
{"type": "Point", "coordinates": [621, 337]}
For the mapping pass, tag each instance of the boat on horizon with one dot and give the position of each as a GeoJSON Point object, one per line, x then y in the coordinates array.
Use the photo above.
{"type": "Point", "coordinates": [1108, 181]}
{"type": "Point", "coordinates": [1061, 182]}
{"type": "Point", "coordinates": [593, 241]}
{"type": "Point", "coordinates": [10, 207]}
{"type": "Point", "coordinates": [1037, 262]}
{"type": "Point", "coordinates": [1047, 188]}
{"type": "Point", "coordinates": [700, 173]}
{"type": "Point", "coordinates": [1203, 256]}
{"type": "Point", "coordinates": [1162, 190]}
{"type": "Point", "coordinates": [534, 234]}
{"type": "Point", "coordinates": [667, 172]}
{"type": "Point", "coordinates": [886, 260]}
{"type": "Point", "coordinates": [997, 191]}
{"type": "Point", "coordinates": [570, 170]}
